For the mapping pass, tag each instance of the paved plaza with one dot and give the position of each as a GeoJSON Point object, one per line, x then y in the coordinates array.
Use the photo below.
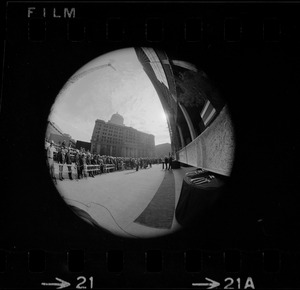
{"type": "Point", "coordinates": [115, 200]}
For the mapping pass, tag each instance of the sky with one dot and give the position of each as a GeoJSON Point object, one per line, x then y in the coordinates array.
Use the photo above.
{"type": "Point", "coordinates": [122, 88]}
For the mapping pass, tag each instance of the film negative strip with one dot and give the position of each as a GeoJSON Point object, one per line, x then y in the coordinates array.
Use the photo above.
{"type": "Point", "coordinates": [150, 145]}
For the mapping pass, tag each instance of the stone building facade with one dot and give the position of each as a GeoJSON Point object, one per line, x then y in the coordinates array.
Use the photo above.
{"type": "Point", "coordinates": [113, 138]}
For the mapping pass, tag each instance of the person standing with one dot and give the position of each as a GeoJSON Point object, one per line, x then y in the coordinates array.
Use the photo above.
{"type": "Point", "coordinates": [69, 163]}
{"type": "Point", "coordinates": [166, 162]}
{"type": "Point", "coordinates": [131, 163]}
{"type": "Point", "coordinates": [61, 160]}
{"type": "Point", "coordinates": [101, 165]}
{"type": "Point", "coordinates": [85, 172]}
{"type": "Point", "coordinates": [77, 163]}
{"type": "Point", "coordinates": [98, 164]}
{"type": "Point", "coordinates": [170, 162]}
{"type": "Point", "coordinates": [50, 151]}
{"type": "Point", "coordinates": [81, 164]}
{"type": "Point", "coordinates": [93, 163]}
{"type": "Point", "coordinates": [88, 163]}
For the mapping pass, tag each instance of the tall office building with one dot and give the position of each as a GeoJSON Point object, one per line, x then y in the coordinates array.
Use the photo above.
{"type": "Point", "coordinates": [113, 138]}
{"type": "Point", "coordinates": [185, 121]}
{"type": "Point", "coordinates": [52, 128]}
{"type": "Point", "coordinates": [200, 127]}
{"type": "Point", "coordinates": [55, 134]}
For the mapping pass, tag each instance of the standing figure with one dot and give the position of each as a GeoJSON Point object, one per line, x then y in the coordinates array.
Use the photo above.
{"type": "Point", "coordinates": [88, 163]}
{"type": "Point", "coordinates": [170, 162]}
{"type": "Point", "coordinates": [50, 151]}
{"type": "Point", "coordinates": [98, 164]}
{"type": "Point", "coordinates": [77, 163]}
{"type": "Point", "coordinates": [101, 165]}
{"type": "Point", "coordinates": [84, 165]}
{"type": "Point", "coordinates": [166, 162]}
{"type": "Point", "coordinates": [69, 163]}
{"type": "Point", "coordinates": [61, 160]}
{"type": "Point", "coordinates": [93, 162]}
{"type": "Point", "coordinates": [81, 164]}
{"type": "Point", "coordinates": [131, 163]}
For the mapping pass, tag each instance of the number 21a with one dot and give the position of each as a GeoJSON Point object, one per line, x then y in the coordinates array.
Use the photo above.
{"type": "Point", "coordinates": [248, 284]}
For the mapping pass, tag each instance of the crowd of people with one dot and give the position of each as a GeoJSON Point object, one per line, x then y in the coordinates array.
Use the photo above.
{"type": "Point", "coordinates": [87, 164]}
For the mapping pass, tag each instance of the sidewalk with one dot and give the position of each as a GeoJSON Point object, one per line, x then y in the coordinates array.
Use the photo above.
{"type": "Point", "coordinates": [114, 200]}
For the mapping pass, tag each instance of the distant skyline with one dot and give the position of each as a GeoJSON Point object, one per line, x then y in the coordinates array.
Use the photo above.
{"type": "Point", "coordinates": [121, 87]}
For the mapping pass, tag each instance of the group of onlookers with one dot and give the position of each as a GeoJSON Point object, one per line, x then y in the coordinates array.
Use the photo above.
{"type": "Point", "coordinates": [87, 164]}
{"type": "Point", "coordinates": [63, 156]}
{"type": "Point", "coordinates": [165, 161]}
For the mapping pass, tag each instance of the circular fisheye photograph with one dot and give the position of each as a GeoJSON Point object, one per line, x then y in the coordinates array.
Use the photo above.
{"type": "Point", "coordinates": [139, 144]}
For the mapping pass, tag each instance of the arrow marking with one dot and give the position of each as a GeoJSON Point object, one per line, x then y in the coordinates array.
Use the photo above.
{"type": "Point", "coordinates": [211, 285]}
{"type": "Point", "coordinates": [62, 284]}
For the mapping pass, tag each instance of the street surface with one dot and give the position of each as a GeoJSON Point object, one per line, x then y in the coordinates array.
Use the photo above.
{"type": "Point", "coordinates": [114, 200]}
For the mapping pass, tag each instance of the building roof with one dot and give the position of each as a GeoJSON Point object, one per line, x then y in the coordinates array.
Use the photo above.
{"type": "Point", "coordinates": [117, 119]}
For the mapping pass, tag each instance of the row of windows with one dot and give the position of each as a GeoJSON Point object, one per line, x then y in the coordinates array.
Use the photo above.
{"type": "Point", "coordinates": [111, 129]}
{"type": "Point", "coordinates": [120, 140]}
{"type": "Point", "coordinates": [115, 132]}
{"type": "Point", "coordinates": [127, 138]}
{"type": "Point", "coordinates": [110, 138]}
{"type": "Point", "coordinates": [110, 132]}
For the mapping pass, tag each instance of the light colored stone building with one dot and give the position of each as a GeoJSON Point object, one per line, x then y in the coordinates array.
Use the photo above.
{"type": "Point", "coordinates": [113, 138]}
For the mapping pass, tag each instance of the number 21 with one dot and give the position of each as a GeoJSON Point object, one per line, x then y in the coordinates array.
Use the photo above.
{"type": "Point", "coordinates": [83, 280]}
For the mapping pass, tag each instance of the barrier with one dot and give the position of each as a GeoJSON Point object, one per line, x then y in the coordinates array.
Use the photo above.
{"type": "Point", "coordinates": [109, 167]}
{"type": "Point", "coordinates": [96, 168]}
{"type": "Point", "coordinates": [89, 168]}
{"type": "Point", "coordinates": [106, 167]}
